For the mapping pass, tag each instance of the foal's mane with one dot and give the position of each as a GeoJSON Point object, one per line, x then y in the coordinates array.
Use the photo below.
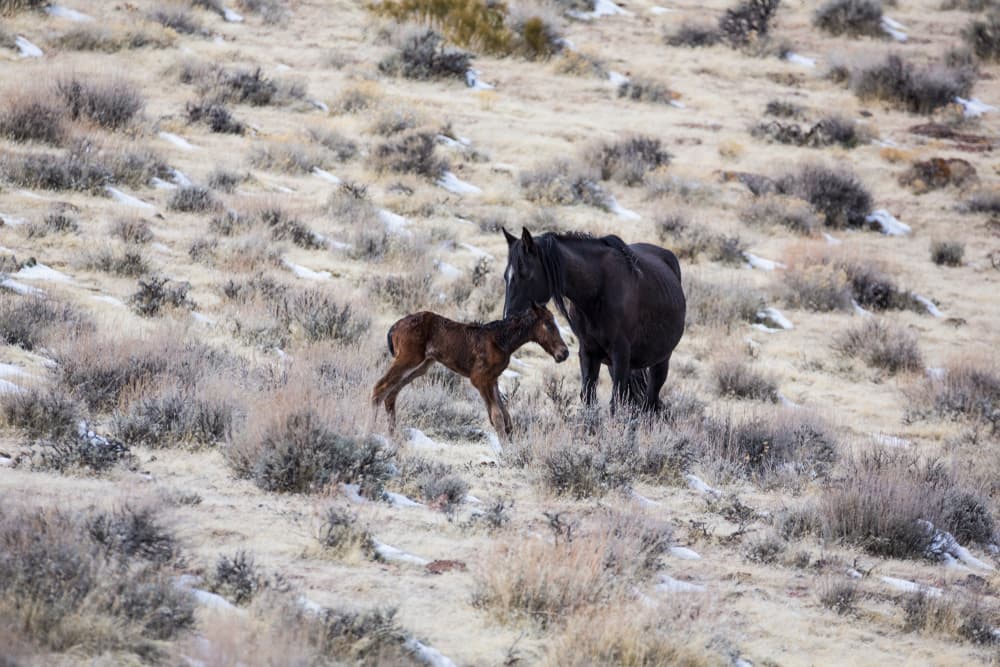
{"type": "Point", "coordinates": [552, 261]}
{"type": "Point", "coordinates": [509, 330]}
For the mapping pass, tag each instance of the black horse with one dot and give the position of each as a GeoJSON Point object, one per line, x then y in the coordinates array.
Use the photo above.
{"type": "Point", "coordinates": [624, 302]}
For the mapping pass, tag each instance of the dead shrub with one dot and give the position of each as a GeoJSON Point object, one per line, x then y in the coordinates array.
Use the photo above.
{"type": "Point", "coordinates": [178, 19]}
{"type": "Point", "coordinates": [916, 89]}
{"type": "Point", "coordinates": [110, 40]}
{"type": "Point", "coordinates": [32, 116]}
{"type": "Point", "coordinates": [840, 595]}
{"type": "Point", "coordinates": [216, 116]}
{"type": "Point", "coordinates": [855, 18]}
{"type": "Point", "coordinates": [789, 212]}
{"type": "Point", "coordinates": [982, 35]}
{"type": "Point", "coordinates": [938, 173]}
{"type": "Point", "coordinates": [836, 194]}
{"type": "Point", "coordinates": [717, 305]}
{"type": "Point", "coordinates": [773, 445]}
{"type": "Point", "coordinates": [735, 377]}
{"type": "Point", "coordinates": [765, 548]}
{"type": "Point", "coordinates": [694, 35]}
{"type": "Point", "coordinates": [110, 594]}
{"type": "Point", "coordinates": [135, 231]}
{"type": "Point", "coordinates": [156, 292]}
{"type": "Point", "coordinates": [564, 183]}
{"type": "Point", "coordinates": [422, 56]}
{"type": "Point", "coordinates": [748, 22]}
{"type": "Point", "coordinates": [238, 578]}
{"type": "Point", "coordinates": [832, 130]}
{"type": "Point", "coordinates": [826, 280]}
{"type": "Point", "coordinates": [410, 153]}
{"type": "Point", "coordinates": [48, 413]}
{"type": "Point", "coordinates": [128, 261]}
{"type": "Point", "coordinates": [32, 321]}
{"type": "Point", "coordinates": [436, 483]}
{"type": "Point", "coordinates": [338, 531]}
{"type": "Point", "coordinates": [965, 389]}
{"type": "Point", "coordinates": [111, 103]}
{"type": "Point", "coordinates": [290, 158]}
{"type": "Point", "coordinates": [947, 253]}
{"type": "Point", "coordinates": [192, 199]}
{"type": "Point", "coordinates": [784, 109]}
{"type": "Point", "coordinates": [628, 160]}
{"type": "Point", "coordinates": [175, 415]}
{"type": "Point", "coordinates": [589, 565]}
{"type": "Point", "coordinates": [298, 448]}
{"type": "Point", "coordinates": [640, 89]}
{"type": "Point", "coordinates": [84, 167]}
{"type": "Point", "coordinates": [882, 345]}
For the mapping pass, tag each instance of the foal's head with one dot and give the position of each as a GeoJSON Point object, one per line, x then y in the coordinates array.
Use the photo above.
{"type": "Point", "coordinates": [545, 332]}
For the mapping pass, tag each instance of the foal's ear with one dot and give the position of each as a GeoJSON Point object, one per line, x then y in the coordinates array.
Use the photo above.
{"type": "Point", "coordinates": [529, 243]}
{"type": "Point", "coordinates": [510, 237]}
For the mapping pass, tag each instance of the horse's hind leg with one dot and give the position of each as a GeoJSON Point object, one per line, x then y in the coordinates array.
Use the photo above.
{"type": "Point", "coordinates": [507, 423]}
{"type": "Point", "coordinates": [401, 367]}
{"type": "Point", "coordinates": [390, 397]}
{"type": "Point", "coordinates": [655, 379]}
{"type": "Point", "coordinates": [489, 391]}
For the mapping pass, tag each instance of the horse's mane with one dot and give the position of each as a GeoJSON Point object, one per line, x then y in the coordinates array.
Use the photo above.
{"type": "Point", "coordinates": [509, 329]}
{"type": "Point", "coordinates": [552, 261]}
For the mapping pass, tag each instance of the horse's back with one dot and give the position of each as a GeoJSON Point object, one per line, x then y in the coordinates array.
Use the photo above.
{"type": "Point", "coordinates": [657, 253]}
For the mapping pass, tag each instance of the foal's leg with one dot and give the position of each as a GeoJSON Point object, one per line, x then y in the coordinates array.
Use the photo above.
{"type": "Point", "coordinates": [390, 399]}
{"type": "Point", "coordinates": [488, 390]}
{"type": "Point", "coordinates": [507, 423]}
{"type": "Point", "coordinates": [401, 366]}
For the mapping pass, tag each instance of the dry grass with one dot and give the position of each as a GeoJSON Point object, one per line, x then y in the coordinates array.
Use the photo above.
{"type": "Point", "coordinates": [882, 345]}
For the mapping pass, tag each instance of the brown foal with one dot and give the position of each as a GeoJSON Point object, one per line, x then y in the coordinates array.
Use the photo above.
{"type": "Point", "coordinates": [479, 352]}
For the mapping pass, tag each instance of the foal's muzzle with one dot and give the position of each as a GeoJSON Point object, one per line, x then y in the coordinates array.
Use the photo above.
{"type": "Point", "coordinates": [562, 355]}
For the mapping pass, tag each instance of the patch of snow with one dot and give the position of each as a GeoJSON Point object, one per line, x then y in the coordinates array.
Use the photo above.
{"type": "Point", "coordinates": [928, 304]}
{"type": "Point", "coordinates": [201, 317]}
{"type": "Point", "coordinates": [670, 585]}
{"type": "Point", "coordinates": [128, 200]}
{"type": "Point", "coordinates": [26, 48]}
{"type": "Point", "coordinates": [177, 140]}
{"type": "Point", "coordinates": [107, 298]}
{"type": "Point", "coordinates": [772, 316]}
{"type": "Point", "coordinates": [160, 247]}
{"type": "Point", "coordinates": [894, 29]}
{"type": "Point", "coordinates": [8, 370]}
{"type": "Point", "coordinates": [180, 178]}
{"type": "Point", "coordinates": [449, 271]}
{"type": "Point", "coordinates": [697, 484]}
{"type": "Point", "coordinates": [161, 184]}
{"type": "Point", "coordinates": [888, 224]}
{"type": "Point", "coordinates": [13, 222]}
{"type": "Point", "coordinates": [684, 553]}
{"type": "Point", "coordinates": [473, 81]}
{"type": "Point", "coordinates": [756, 262]}
{"type": "Point", "coordinates": [6, 461]}
{"type": "Point", "coordinates": [601, 8]}
{"type": "Point", "coordinates": [419, 440]}
{"type": "Point", "coordinates": [395, 555]}
{"type": "Point", "coordinates": [61, 12]}
{"type": "Point", "coordinates": [320, 105]}
{"type": "Point", "coordinates": [459, 144]}
{"type": "Point", "coordinates": [284, 189]}
{"type": "Point", "coordinates": [617, 78]}
{"type": "Point", "coordinates": [660, 10]}
{"type": "Point", "coordinates": [394, 223]}
{"type": "Point", "coordinates": [310, 606]}
{"type": "Point", "coordinates": [936, 373]}
{"type": "Point", "coordinates": [478, 252]}
{"type": "Point", "coordinates": [854, 574]}
{"type": "Point", "coordinates": [621, 211]}
{"type": "Point", "coordinates": [787, 402]}
{"type": "Point", "coordinates": [908, 586]}
{"type": "Point", "coordinates": [974, 108]}
{"type": "Point", "coordinates": [18, 287]}
{"type": "Point", "coordinates": [509, 374]}
{"type": "Point", "coordinates": [399, 500]}
{"type": "Point", "coordinates": [353, 493]}
{"type": "Point", "coordinates": [796, 59]}
{"type": "Point", "coordinates": [42, 272]}
{"type": "Point", "coordinates": [8, 387]}
{"type": "Point", "coordinates": [469, 498]}
{"type": "Point", "coordinates": [427, 655]}
{"type": "Point", "coordinates": [340, 245]}
{"type": "Point", "coordinates": [677, 104]}
{"type": "Point", "coordinates": [831, 240]}
{"type": "Point", "coordinates": [891, 440]}
{"type": "Point", "coordinates": [230, 16]}
{"type": "Point", "coordinates": [214, 601]}
{"type": "Point", "coordinates": [858, 310]}
{"type": "Point", "coordinates": [452, 183]}
{"type": "Point", "coordinates": [326, 176]}
{"type": "Point", "coordinates": [520, 363]}
{"type": "Point", "coordinates": [306, 273]}
{"type": "Point", "coordinates": [643, 500]}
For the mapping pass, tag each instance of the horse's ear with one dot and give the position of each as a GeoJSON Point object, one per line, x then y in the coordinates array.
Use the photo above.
{"type": "Point", "coordinates": [529, 243]}
{"type": "Point", "coordinates": [510, 237]}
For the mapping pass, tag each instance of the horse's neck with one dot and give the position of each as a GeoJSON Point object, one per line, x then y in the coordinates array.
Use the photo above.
{"type": "Point", "coordinates": [581, 284]}
{"type": "Point", "coordinates": [513, 334]}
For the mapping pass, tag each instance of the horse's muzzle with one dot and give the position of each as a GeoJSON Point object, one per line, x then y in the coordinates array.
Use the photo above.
{"type": "Point", "coordinates": [562, 355]}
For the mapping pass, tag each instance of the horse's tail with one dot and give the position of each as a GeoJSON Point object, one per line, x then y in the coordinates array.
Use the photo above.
{"type": "Point", "coordinates": [388, 340]}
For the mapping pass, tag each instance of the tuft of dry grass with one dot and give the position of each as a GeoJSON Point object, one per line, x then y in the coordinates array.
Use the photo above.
{"type": "Point", "coordinates": [855, 18]}
{"type": "Point", "coordinates": [564, 183]}
{"type": "Point", "coordinates": [789, 212]}
{"type": "Point", "coordinates": [966, 388]}
{"type": "Point", "coordinates": [628, 160]}
{"type": "Point", "coordinates": [735, 377]}
{"type": "Point", "coordinates": [905, 85]}
{"type": "Point", "coordinates": [947, 253]}
{"type": "Point", "coordinates": [720, 305]}
{"type": "Point", "coordinates": [882, 345]}
{"type": "Point", "coordinates": [545, 581]}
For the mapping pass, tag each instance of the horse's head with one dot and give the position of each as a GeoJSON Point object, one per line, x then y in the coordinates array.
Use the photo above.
{"type": "Point", "coordinates": [525, 278]}
{"type": "Point", "coordinates": [545, 332]}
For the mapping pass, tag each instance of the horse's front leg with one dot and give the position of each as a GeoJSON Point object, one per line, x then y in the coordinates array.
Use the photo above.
{"type": "Point", "coordinates": [621, 372]}
{"type": "Point", "coordinates": [590, 369]}
{"type": "Point", "coordinates": [488, 390]}
{"type": "Point", "coordinates": [507, 423]}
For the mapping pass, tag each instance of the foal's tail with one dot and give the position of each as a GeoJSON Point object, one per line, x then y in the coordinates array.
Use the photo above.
{"type": "Point", "coordinates": [388, 340]}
